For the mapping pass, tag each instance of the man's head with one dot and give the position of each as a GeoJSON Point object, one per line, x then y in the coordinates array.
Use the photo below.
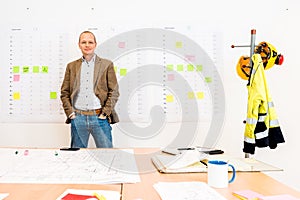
{"type": "Point", "coordinates": [87, 43]}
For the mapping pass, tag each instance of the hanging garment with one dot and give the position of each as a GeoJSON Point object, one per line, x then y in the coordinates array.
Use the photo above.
{"type": "Point", "coordinates": [262, 127]}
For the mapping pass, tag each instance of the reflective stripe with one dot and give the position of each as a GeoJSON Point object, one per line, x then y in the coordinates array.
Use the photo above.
{"type": "Point", "coordinates": [262, 118]}
{"type": "Point", "coordinates": [261, 135]}
{"type": "Point", "coordinates": [274, 122]}
{"type": "Point", "coordinates": [271, 104]}
{"type": "Point", "coordinates": [253, 71]}
{"type": "Point", "coordinates": [251, 121]}
{"type": "Point", "coordinates": [249, 140]}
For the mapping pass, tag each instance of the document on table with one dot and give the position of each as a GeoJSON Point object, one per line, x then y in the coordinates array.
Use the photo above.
{"type": "Point", "coordinates": [181, 163]}
{"type": "Point", "coordinates": [3, 195]}
{"type": "Point", "coordinates": [72, 194]}
{"type": "Point", "coordinates": [86, 166]}
{"type": "Point", "coordinates": [186, 190]}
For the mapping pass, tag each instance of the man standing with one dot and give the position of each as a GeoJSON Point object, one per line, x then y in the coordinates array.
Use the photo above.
{"type": "Point", "coordinates": [89, 93]}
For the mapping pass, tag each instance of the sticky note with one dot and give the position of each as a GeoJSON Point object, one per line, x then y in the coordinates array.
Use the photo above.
{"type": "Point", "coordinates": [200, 95]}
{"type": "Point", "coordinates": [53, 95]}
{"type": "Point", "coordinates": [36, 69]}
{"type": "Point", "coordinates": [180, 68]}
{"type": "Point", "coordinates": [123, 72]}
{"type": "Point", "coordinates": [247, 195]}
{"type": "Point", "coordinates": [199, 68]}
{"type": "Point", "coordinates": [26, 69]}
{"type": "Point", "coordinates": [178, 44]}
{"type": "Point", "coordinates": [16, 95]}
{"type": "Point", "coordinates": [16, 69]}
{"type": "Point", "coordinates": [121, 44]}
{"type": "Point", "coordinates": [44, 69]}
{"type": "Point", "coordinates": [169, 98]}
{"type": "Point", "coordinates": [171, 77]}
{"type": "Point", "coordinates": [191, 95]}
{"type": "Point", "coordinates": [16, 77]}
{"type": "Point", "coordinates": [190, 67]}
{"type": "Point", "coordinates": [208, 79]}
{"type": "Point", "coordinates": [170, 67]}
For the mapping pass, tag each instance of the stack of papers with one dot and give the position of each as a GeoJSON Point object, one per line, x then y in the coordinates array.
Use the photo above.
{"type": "Point", "coordinates": [181, 163]}
{"type": "Point", "coordinates": [195, 161]}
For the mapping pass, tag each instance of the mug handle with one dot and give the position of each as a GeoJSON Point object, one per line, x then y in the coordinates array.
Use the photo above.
{"type": "Point", "coordinates": [233, 173]}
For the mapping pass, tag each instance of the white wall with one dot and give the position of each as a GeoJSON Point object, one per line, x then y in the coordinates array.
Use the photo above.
{"type": "Point", "coordinates": [275, 21]}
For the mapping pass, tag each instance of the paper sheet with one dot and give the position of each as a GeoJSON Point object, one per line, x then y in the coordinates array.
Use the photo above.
{"type": "Point", "coordinates": [86, 166]}
{"type": "Point", "coordinates": [186, 190]}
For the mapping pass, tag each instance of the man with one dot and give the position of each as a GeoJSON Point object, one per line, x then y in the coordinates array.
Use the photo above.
{"type": "Point", "coordinates": [89, 93]}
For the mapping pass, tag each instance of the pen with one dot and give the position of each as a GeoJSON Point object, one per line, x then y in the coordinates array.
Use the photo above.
{"type": "Point", "coordinates": [186, 148]}
{"type": "Point", "coordinates": [99, 196]}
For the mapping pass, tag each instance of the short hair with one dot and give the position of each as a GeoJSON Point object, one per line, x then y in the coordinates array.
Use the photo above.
{"type": "Point", "coordinates": [89, 33]}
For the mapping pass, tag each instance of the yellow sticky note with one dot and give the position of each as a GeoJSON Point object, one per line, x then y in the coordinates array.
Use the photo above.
{"type": "Point", "coordinates": [178, 44]}
{"type": "Point", "coordinates": [53, 95]}
{"type": "Point", "coordinates": [200, 95]}
{"type": "Point", "coordinates": [191, 95]}
{"type": "Point", "coordinates": [16, 96]}
{"type": "Point", "coordinates": [116, 69]}
{"type": "Point", "coordinates": [123, 72]}
{"type": "Point", "coordinates": [169, 98]}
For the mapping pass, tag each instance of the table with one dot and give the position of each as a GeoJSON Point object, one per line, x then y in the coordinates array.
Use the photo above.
{"type": "Point", "coordinates": [144, 190]}
{"type": "Point", "coordinates": [255, 181]}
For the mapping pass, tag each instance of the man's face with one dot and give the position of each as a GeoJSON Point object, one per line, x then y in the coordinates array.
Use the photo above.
{"type": "Point", "coordinates": [87, 44]}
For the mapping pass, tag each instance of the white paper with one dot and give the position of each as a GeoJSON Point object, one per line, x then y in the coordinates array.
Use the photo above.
{"type": "Point", "coordinates": [186, 191]}
{"type": "Point", "coordinates": [3, 195]}
{"type": "Point", "coordinates": [86, 166]}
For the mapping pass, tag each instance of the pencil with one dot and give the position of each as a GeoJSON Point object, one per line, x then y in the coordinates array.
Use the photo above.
{"type": "Point", "coordinates": [99, 196]}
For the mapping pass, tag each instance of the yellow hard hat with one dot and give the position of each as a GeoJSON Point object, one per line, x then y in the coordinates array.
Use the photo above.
{"type": "Point", "coordinates": [243, 67]}
{"type": "Point", "coordinates": [268, 54]}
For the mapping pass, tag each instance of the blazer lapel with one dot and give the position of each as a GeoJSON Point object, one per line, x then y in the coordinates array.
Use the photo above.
{"type": "Point", "coordinates": [98, 71]}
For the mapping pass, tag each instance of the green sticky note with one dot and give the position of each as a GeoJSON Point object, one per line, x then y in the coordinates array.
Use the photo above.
{"type": "Point", "coordinates": [53, 95]}
{"type": "Point", "coordinates": [116, 69]}
{"type": "Point", "coordinates": [199, 68]}
{"type": "Point", "coordinates": [26, 69]}
{"type": "Point", "coordinates": [36, 69]}
{"type": "Point", "coordinates": [170, 67]}
{"type": "Point", "coordinates": [44, 69]}
{"type": "Point", "coordinates": [16, 69]}
{"type": "Point", "coordinates": [180, 68]}
{"type": "Point", "coordinates": [123, 72]}
{"type": "Point", "coordinates": [190, 67]}
{"type": "Point", "coordinates": [208, 79]}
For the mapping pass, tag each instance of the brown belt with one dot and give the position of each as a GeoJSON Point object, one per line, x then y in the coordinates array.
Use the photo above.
{"type": "Point", "coordinates": [89, 112]}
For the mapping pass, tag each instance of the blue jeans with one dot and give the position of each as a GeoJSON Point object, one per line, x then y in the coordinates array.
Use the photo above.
{"type": "Point", "coordinates": [84, 125]}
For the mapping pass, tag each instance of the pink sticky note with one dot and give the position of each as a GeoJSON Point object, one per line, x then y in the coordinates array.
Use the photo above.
{"type": "Point", "coordinates": [171, 77]}
{"type": "Point", "coordinates": [248, 194]}
{"type": "Point", "coordinates": [16, 77]}
{"type": "Point", "coordinates": [279, 197]}
{"type": "Point", "coordinates": [121, 45]}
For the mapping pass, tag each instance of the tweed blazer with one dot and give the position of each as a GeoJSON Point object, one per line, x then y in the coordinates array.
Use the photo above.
{"type": "Point", "coordinates": [106, 87]}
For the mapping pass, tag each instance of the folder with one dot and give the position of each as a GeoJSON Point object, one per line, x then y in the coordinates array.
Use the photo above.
{"type": "Point", "coordinates": [191, 162]}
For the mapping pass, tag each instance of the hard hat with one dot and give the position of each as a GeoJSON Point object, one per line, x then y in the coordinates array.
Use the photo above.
{"type": "Point", "coordinates": [268, 54]}
{"type": "Point", "coordinates": [243, 67]}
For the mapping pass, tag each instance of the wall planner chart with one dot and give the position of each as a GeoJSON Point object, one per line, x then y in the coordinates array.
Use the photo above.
{"type": "Point", "coordinates": [172, 71]}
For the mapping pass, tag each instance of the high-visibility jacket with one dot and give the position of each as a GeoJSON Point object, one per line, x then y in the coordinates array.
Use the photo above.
{"type": "Point", "coordinates": [262, 127]}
